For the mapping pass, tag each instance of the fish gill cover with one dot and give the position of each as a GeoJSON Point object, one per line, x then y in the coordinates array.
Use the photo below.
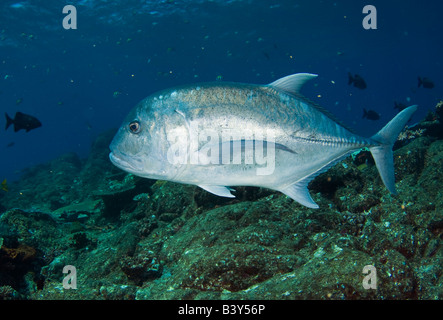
{"type": "Point", "coordinates": [132, 238]}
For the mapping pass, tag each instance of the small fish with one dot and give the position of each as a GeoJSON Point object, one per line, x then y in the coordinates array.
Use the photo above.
{"type": "Point", "coordinates": [370, 115]}
{"type": "Point", "coordinates": [215, 136]}
{"type": "Point", "coordinates": [426, 83]}
{"type": "Point", "coordinates": [400, 106]}
{"type": "Point", "coordinates": [10, 144]}
{"type": "Point", "coordinates": [22, 121]}
{"type": "Point", "coordinates": [357, 80]}
{"type": "Point", "coordinates": [5, 186]}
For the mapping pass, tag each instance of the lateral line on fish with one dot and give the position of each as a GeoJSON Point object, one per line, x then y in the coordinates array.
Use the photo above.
{"type": "Point", "coordinates": [335, 142]}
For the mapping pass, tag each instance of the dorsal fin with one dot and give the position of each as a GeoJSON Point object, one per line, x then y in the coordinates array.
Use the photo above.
{"type": "Point", "coordinates": [292, 83]}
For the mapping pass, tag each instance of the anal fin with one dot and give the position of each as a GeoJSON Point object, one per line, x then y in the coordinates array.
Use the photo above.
{"type": "Point", "coordinates": [218, 190]}
{"type": "Point", "coordinates": [300, 193]}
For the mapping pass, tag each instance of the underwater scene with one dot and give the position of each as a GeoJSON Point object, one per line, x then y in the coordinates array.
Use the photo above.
{"type": "Point", "coordinates": [221, 150]}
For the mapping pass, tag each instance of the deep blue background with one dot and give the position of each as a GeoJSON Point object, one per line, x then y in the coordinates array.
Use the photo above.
{"type": "Point", "coordinates": [82, 82]}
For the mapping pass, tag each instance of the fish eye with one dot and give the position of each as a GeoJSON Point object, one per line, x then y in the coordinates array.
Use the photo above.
{"type": "Point", "coordinates": [134, 127]}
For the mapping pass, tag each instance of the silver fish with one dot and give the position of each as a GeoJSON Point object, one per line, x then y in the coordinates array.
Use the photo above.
{"type": "Point", "coordinates": [217, 135]}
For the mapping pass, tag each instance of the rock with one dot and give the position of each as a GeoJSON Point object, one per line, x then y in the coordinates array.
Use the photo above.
{"type": "Point", "coordinates": [78, 211]}
{"type": "Point", "coordinates": [137, 238]}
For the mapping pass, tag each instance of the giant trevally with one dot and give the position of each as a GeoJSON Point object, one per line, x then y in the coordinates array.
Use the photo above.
{"type": "Point", "coordinates": [218, 135]}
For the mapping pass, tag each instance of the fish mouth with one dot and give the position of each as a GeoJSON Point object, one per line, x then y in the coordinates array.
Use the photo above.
{"type": "Point", "coordinates": [128, 163]}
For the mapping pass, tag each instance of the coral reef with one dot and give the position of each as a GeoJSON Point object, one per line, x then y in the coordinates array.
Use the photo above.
{"type": "Point", "coordinates": [133, 238]}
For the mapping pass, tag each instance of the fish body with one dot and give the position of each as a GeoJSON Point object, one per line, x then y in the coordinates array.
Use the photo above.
{"type": "Point", "coordinates": [22, 121]}
{"type": "Point", "coordinates": [357, 81]}
{"type": "Point", "coordinates": [426, 83]}
{"type": "Point", "coordinates": [217, 135]}
{"type": "Point", "coordinates": [371, 115]}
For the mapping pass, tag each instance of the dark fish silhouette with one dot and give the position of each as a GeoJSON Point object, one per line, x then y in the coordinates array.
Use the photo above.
{"type": "Point", "coordinates": [400, 106]}
{"type": "Point", "coordinates": [357, 80]}
{"type": "Point", "coordinates": [371, 114]}
{"type": "Point", "coordinates": [425, 82]}
{"type": "Point", "coordinates": [22, 121]}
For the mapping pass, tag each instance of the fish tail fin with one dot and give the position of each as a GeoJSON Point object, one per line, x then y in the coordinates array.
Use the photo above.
{"type": "Point", "coordinates": [420, 82]}
{"type": "Point", "coordinates": [383, 154]}
{"type": "Point", "coordinates": [9, 121]}
{"type": "Point", "coordinates": [365, 113]}
{"type": "Point", "coordinates": [350, 78]}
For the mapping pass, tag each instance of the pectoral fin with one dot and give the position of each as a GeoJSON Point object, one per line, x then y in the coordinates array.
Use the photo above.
{"type": "Point", "coordinates": [218, 190]}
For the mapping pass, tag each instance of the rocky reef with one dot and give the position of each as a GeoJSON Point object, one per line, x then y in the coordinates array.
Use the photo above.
{"type": "Point", "coordinates": [133, 238]}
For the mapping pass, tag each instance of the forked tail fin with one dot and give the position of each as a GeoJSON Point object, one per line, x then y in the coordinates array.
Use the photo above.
{"type": "Point", "coordinates": [383, 154]}
{"type": "Point", "coordinates": [9, 121]}
{"type": "Point", "coordinates": [350, 78]}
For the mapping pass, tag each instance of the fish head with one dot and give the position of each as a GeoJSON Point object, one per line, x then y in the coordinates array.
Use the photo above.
{"type": "Point", "coordinates": [137, 146]}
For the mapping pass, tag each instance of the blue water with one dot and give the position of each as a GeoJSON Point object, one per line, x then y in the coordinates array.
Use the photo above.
{"type": "Point", "coordinates": [84, 81]}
